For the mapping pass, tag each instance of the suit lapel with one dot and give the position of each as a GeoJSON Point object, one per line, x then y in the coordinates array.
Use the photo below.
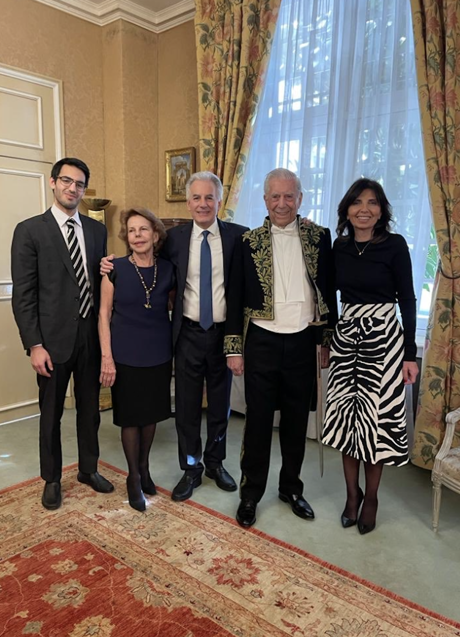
{"type": "Point", "coordinates": [184, 251]}
{"type": "Point", "coordinates": [89, 247]}
{"type": "Point", "coordinates": [226, 248]}
{"type": "Point", "coordinates": [59, 241]}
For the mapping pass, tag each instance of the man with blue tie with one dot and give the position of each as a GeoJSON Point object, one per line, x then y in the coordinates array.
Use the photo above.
{"type": "Point", "coordinates": [202, 252]}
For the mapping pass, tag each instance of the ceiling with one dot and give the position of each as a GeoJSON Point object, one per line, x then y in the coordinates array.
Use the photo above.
{"type": "Point", "coordinates": [154, 15]}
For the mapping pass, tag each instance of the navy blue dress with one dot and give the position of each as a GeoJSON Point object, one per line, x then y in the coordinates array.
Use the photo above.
{"type": "Point", "coordinates": [141, 344]}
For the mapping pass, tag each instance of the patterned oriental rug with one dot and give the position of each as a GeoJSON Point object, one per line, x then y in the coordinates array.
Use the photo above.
{"type": "Point", "coordinates": [97, 568]}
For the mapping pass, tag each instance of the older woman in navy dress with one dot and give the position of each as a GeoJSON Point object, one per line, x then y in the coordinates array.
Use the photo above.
{"type": "Point", "coordinates": [135, 335]}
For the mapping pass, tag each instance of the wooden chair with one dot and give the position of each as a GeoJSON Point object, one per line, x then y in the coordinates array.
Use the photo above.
{"type": "Point", "coordinates": [446, 469]}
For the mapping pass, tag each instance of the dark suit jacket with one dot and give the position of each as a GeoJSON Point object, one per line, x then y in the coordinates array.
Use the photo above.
{"type": "Point", "coordinates": [251, 282]}
{"type": "Point", "coordinates": [177, 250]}
{"type": "Point", "coordinates": [46, 295]}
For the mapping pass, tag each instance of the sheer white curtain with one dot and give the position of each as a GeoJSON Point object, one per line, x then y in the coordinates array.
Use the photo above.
{"type": "Point", "coordinates": [340, 102]}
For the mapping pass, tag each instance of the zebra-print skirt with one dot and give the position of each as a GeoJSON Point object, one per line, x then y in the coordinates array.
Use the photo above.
{"type": "Point", "coordinates": [365, 406]}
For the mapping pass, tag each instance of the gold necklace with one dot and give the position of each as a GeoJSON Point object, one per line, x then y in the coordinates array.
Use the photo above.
{"type": "Point", "coordinates": [147, 290]}
{"type": "Point", "coordinates": [362, 250]}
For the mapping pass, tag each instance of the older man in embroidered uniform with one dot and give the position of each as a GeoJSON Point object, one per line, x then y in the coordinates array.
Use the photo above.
{"type": "Point", "coordinates": [281, 304]}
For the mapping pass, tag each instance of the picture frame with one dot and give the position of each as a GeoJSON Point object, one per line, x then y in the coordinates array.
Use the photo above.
{"type": "Point", "coordinates": [180, 164]}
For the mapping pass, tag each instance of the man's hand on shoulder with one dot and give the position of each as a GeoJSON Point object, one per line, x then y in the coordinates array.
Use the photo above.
{"type": "Point", "coordinates": [41, 360]}
{"type": "Point", "coordinates": [106, 264]}
{"type": "Point", "coordinates": [236, 365]}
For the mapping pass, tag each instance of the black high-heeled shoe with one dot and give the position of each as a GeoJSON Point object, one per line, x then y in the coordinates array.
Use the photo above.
{"type": "Point", "coordinates": [365, 528]}
{"type": "Point", "coordinates": [149, 487]}
{"type": "Point", "coordinates": [135, 498]}
{"type": "Point", "coordinates": [348, 522]}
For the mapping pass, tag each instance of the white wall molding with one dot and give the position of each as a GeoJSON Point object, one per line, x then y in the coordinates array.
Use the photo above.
{"type": "Point", "coordinates": [102, 13]}
{"type": "Point", "coordinates": [25, 403]}
{"type": "Point", "coordinates": [56, 86]}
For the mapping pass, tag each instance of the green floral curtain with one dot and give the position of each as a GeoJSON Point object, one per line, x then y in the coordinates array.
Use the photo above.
{"type": "Point", "coordinates": [233, 44]}
{"type": "Point", "coordinates": [437, 46]}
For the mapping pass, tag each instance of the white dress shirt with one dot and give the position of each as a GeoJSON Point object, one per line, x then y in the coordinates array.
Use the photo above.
{"type": "Point", "coordinates": [294, 298]}
{"type": "Point", "coordinates": [192, 284]}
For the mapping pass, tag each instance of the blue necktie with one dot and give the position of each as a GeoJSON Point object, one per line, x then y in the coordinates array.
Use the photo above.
{"type": "Point", "coordinates": [206, 319]}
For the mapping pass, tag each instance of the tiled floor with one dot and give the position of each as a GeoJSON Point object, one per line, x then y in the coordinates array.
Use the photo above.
{"type": "Point", "coordinates": [402, 554]}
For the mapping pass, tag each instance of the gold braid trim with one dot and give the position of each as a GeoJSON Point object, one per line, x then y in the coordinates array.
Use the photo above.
{"type": "Point", "coordinates": [233, 344]}
{"type": "Point", "coordinates": [327, 337]}
{"type": "Point", "coordinates": [310, 236]}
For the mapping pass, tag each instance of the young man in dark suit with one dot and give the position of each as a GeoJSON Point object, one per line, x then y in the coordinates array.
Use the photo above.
{"type": "Point", "coordinates": [56, 292]}
{"type": "Point", "coordinates": [205, 242]}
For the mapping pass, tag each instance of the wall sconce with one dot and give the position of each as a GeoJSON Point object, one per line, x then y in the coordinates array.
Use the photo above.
{"type": "Point", "coordinates": [97, 207]}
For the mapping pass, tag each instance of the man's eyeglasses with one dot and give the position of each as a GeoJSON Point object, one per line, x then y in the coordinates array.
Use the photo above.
{"type": "Point", "coordinates": [68, 181]}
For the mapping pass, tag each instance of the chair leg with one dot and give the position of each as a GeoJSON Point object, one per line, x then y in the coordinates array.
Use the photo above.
{"type": "Point", "coordinates": [436, 503]}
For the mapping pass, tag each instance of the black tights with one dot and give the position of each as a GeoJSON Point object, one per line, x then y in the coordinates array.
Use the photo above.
{"type": "Point", "coordinates": [373, 473]}
{"type": "Point", "coordinates": [137, 442]}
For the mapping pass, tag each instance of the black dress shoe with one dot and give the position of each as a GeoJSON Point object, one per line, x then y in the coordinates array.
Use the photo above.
{"type": "Point", "coordinates": [149, 487]}
{"type": "Point", "coordinates": [348, 522]}
{"type": "Point", "coordinates": [223, 479]}
{"type": "Point", "coordinates": [96, 481]}
{"type": "Point", "coordinates": [246, 513]}
{"type": "Point", "coordinates": [135, 496]}
{"type": "Point", "coordinates": [184, 488]}
{"type": "Point", "coordinates": [299, 505]}
{"type": "Point", "coordinates": [51, 498]}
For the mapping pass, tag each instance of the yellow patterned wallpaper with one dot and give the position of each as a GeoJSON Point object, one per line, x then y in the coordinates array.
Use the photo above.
{"type": "Point", "coordinates": [46, 41]}
{"type": "Point", "coordinates": [129, 95]}
{"type": "Point", "coordinates": [177, 103]}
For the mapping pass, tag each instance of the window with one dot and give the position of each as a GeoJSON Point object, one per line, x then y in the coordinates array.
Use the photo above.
{"type": "Point", "coordinates": [340, 102]}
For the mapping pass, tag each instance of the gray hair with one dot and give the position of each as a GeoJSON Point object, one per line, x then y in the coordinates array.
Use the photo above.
{"type": "Point", "coordinates": [281, 173]}
{"type": "Point", "coordinates": [205, 175]}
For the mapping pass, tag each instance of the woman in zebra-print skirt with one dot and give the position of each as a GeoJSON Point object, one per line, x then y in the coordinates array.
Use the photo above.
{"type": "Point", "coordinates": [372, 357]}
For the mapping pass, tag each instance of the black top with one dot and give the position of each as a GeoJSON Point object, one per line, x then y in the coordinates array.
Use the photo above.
{"type": "Point", "coordinates": [141, 337]}
{"type": "Point", "coordinates": [382, 273]}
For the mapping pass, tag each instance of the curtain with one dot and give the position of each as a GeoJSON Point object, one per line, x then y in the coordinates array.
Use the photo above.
{"type": "Point", "coordinates": [340, 101]}
{"type": "Point", "coordinates": [233, 44]}
{"type": "Point", "coordinates": [437, 39]}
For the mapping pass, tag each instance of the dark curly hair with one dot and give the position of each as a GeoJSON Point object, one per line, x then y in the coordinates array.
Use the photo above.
{"type": "Point", "coordinates": [382, 228]}
{"type": "Point", "coordinates": [155, 222]}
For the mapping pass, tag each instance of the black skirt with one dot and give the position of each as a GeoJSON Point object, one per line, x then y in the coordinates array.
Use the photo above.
{"type": "Point", "coordinates": [141, 395]}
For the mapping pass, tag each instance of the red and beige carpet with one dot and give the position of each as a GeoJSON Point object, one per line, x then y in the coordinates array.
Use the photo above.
{"type": "Point", "coordinates": [97, 568]}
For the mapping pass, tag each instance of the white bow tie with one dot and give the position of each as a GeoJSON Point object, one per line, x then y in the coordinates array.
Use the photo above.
{"type": "Point", "coordinates": [286, 232]}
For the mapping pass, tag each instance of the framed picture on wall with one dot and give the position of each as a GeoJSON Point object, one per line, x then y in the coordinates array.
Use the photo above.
{"type": "Point", "coordinates": [180, 164]}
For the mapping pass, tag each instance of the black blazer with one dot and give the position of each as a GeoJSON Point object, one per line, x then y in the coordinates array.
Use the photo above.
{"type": "Point", "coordinates": [177, 250]}
{"type": "Point", "coordinates": [46, 295]}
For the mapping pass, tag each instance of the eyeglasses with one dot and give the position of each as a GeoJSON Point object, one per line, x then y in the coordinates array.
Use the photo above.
{"type": "Point", "coordinates": [68, 181]}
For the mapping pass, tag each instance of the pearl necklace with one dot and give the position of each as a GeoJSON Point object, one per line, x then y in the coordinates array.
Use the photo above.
{"type": "Point", "coordinates": [147, 290]}
{"type": "Point", "coordinates": [360, 252]}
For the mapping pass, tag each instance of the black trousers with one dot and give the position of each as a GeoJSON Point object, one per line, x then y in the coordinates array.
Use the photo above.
{"type": "Point", "coordinates": [199, 356]}
{"type": "Point", "coordinates": [85, 364]}
{"type": "Point", "coordinates": [279, 373]}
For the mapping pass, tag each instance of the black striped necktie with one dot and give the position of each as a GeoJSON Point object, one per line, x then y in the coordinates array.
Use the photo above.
{"type": "Point", "coordinates": [77, 262]}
